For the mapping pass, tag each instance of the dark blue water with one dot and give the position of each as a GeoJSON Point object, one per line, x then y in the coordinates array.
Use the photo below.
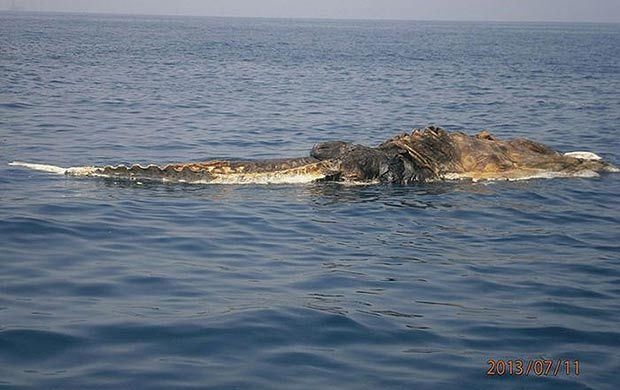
{"type": "Point", "coordinates": [108, 285]}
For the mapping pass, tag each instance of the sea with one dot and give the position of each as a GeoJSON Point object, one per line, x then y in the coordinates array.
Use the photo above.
{"type": "Point", "coordinates": [114, 285]}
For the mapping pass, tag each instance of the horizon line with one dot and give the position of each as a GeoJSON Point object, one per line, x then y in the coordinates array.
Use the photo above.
{"type": "Point", "coordinates": [305, 17]}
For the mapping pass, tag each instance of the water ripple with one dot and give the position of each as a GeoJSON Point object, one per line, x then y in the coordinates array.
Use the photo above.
{"type": "Point", "coordinates": [105, 284]}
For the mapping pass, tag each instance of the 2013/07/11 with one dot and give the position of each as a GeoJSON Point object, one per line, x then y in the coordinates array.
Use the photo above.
{"type": "Point", "coordinates": [537, 367]}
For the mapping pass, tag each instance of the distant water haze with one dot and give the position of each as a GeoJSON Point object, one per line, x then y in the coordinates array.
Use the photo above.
{"type": "Point", "coordinates": [477, 10]}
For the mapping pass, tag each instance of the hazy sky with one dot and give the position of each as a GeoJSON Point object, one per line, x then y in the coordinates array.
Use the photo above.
{"type": "Point", "coordinates": [504, 10]}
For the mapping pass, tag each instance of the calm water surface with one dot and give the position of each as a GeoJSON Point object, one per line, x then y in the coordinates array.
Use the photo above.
{"type": "Point", "coordinates": [106, 285]}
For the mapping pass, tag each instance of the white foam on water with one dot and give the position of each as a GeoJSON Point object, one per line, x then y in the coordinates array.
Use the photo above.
{"type": "Point", "coordinates": [612, 169]}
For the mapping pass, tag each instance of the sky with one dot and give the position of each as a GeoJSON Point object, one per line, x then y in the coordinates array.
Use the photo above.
{"type": "Point", "coordinates": [496, 10]}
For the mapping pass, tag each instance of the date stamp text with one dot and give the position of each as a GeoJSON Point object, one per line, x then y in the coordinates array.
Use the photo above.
{"type": "Point", "coordinates": [533, 367]}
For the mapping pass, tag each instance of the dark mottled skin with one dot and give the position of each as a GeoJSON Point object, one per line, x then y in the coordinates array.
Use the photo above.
{"type": "Point", "coordinates": [432, 153]}
{"type": "Point", "coordinates": [423, 155]}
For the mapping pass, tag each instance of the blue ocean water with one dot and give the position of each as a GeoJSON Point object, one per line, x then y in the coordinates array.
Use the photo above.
{"type": "Point", "coordinates": [107, 285]}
